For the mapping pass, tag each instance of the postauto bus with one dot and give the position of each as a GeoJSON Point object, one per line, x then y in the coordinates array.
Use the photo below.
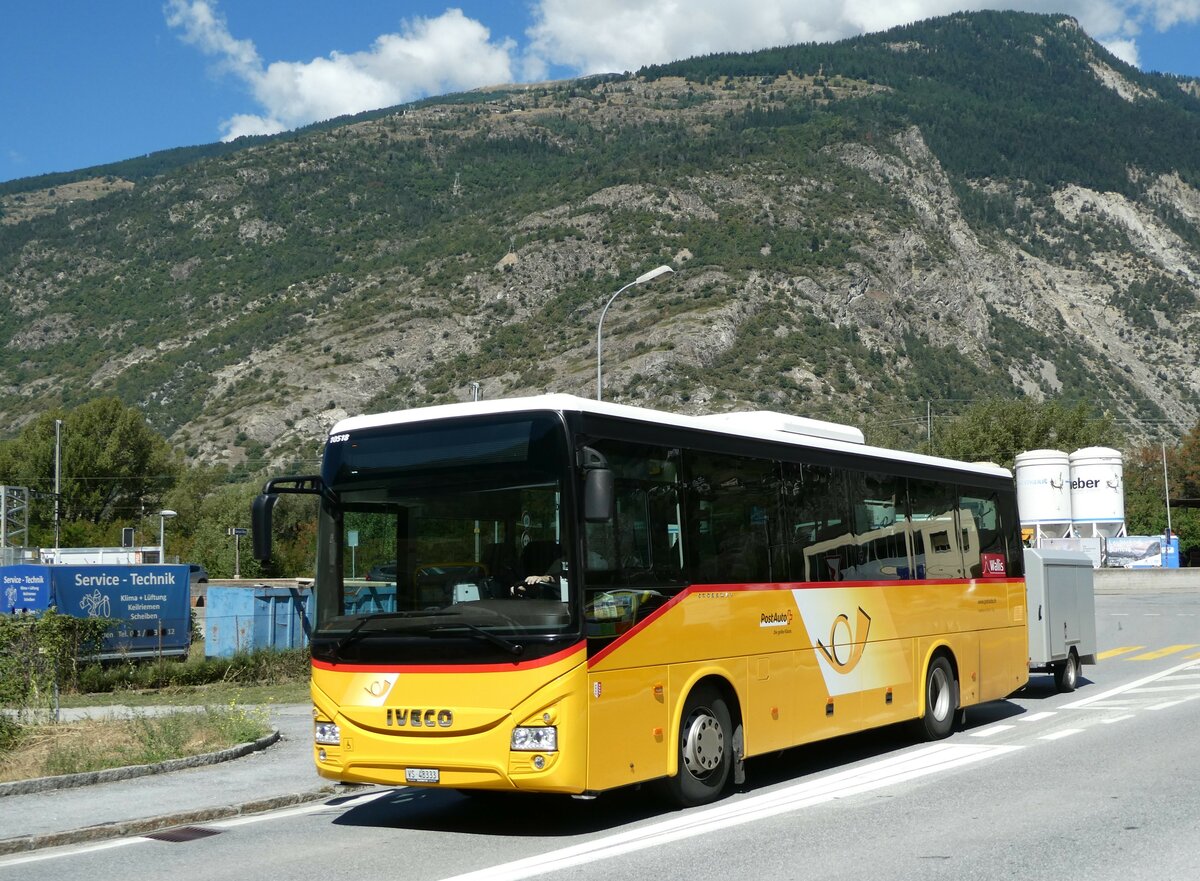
{"type": "Point", "coordinates": [589, 595]}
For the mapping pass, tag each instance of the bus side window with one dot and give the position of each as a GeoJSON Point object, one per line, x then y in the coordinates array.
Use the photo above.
{"type": "Point", "coordinates": [979, 523]}
{"type": "Point", "coordinates": [880, 530]}
{"type": "Point", "coordinates": [642, 545]}
{"type": "Point", "coordinates": [734, 513]}
{"type": "Point", "coordinates": [819, 541]}
{"type": "Point", "coordinates": [935, 534]}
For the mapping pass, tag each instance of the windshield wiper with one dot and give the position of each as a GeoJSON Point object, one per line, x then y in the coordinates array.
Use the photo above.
{"type": "Point", "coordinates": [513, 648]}
{"type": "Point", "coordinates": [356, 632]}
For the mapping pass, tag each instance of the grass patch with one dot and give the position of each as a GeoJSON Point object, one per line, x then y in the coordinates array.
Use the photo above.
{"type": "Point", "coordinates": [235, 693]}
{"type": "Point", "coordinates": [215, 693]}
{"type": "Point", "coordinates": [257, 668]}
{"type": "Point", "coordinates": [96, 744]}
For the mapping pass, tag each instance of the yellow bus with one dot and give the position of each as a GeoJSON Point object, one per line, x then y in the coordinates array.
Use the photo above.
{"type": "Point", "coordinates": [552, 594]}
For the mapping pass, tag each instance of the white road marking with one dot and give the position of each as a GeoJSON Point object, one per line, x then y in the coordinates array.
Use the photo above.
{"type": "Point", "coordinates": [1113, 705]}
{"type": "Point", "coordinates": [876, 775]}
{"type": "Point", "coordinates": [1129, 686]}
{"type": "Point", "coordinates": [58, 852]}
{"type": "Point", "coordinates": [1059, 735]}
{"type": "Point", "coordinates": [71, 851]}
{"type": "Point", "coordinates": [1036, 717]}
{"type": "Point", "coordinates": [1176, 703]}
{"type": "Point", "coordinates": [990, 730]}
{"type": "Point", "coordinates": [298, 811]}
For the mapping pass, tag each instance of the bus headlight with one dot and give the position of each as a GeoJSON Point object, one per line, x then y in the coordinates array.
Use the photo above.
{"type": "Point", "coordinates": [327, 733]}
{"type": "Point", "coordinates": [543, 739]}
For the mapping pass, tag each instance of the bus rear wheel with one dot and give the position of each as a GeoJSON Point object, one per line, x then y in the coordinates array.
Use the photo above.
{"type": "Point", "coordinates": [705, 749]}
{"type": "Point", "coordinates": [941, 700]}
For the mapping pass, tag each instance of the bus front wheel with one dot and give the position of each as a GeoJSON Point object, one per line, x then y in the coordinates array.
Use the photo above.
{"type": "Point", "coordinates": [705, 749]}
{"type": "Point", "coordinates": [941, 700]}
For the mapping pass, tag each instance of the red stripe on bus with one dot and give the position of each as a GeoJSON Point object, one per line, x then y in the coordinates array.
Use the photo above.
{"type": "Point", "coordinates": [451, 668]}
{"type": "Point", "coordinates": [639, 626]}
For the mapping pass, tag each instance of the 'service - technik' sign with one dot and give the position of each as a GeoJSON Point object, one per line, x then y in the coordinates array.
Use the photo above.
{"type": "Point", "coordinates": [24, 588]}
{"type": "Point", "coordinates": [149, 603]}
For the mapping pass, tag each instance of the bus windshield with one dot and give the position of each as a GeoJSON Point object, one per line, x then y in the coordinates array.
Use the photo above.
{"type": "Point", "coordinates": [445, 543]}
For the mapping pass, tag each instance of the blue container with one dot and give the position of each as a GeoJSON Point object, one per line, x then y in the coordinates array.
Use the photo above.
{"type": "Point", "coordinates": [370, 600]}
{"type": "Point", "coordinates": [1170, 552]}
{"type": "Point", "coordinates": [247, 619]}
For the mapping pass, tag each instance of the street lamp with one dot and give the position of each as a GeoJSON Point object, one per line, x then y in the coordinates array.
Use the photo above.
{"type": "Point", "coordinates": [647, 276]}
{"type": "Point", "coordinates": [163, 517]}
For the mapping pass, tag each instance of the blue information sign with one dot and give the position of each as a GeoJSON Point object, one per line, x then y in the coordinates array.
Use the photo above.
{"type": "Point", "coordinates": [149, 604]}
{"type": "Point", "coordinates": [24, 588]}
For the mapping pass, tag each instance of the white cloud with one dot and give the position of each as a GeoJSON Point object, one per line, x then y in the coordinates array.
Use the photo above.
{"type": "Point", "coordinates": [1126, 50]}
{"type": "Point", "coordinates": [1168, 13]}
{"type": "Point", "coordinates": [243, 124]}
{"type": "Point", "coordinates": [615, 35]}
{"type": "Point", "coordinates": [454, 52]}
{"type": "Point", "coordinates": [429, 56]}
{"type": "Point", "coordinates": [203, 26]}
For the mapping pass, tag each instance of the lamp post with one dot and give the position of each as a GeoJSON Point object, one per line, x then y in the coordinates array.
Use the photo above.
{"type": "Point", "coordinates": [163, 517]}
{"type": "Point", "coordinates": [644, 277]}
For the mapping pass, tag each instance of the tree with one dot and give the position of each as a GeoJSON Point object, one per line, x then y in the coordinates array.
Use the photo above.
{"type": "Point", "coordinates": [1187, 477]}
{"type": "Point", "coordinates": [1146, 489]}
{"type": "Point", "coordinates": [114, 465]}
{"type": "Point", "coordinates": [997, 430]}
{"type": "Point", "coordinates": [211, 545]}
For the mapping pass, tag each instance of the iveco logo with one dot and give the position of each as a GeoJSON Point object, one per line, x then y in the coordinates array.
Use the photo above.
{"type": "Point", "coordinates": [417, 718]}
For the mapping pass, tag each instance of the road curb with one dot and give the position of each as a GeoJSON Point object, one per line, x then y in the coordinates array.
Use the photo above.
{"type": "Point", "coordinates": [148, 825]}
{"type": "Point", "coordinates": [110, 775]}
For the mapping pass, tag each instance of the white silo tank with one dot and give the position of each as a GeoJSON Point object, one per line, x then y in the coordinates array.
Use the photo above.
{"type": "Point", "coordinates": [1097, 493]}
{"type": "Point", "coordinates": [1044, 493]}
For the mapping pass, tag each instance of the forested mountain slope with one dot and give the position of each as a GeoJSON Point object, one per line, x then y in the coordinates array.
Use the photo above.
{"type": "Point", "coordinates": [981, 205]}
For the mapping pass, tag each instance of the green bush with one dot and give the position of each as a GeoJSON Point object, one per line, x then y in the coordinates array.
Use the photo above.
{"type": "Point", "coordinates": [248, 668]}
{"type": "Point", "coordinates": [10, 733]}
{"type": "Point", "coordinates": [40, 656]}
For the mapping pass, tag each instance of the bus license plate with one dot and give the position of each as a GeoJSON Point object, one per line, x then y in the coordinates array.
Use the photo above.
{"type": "Point", "coordinates": [421, 775]}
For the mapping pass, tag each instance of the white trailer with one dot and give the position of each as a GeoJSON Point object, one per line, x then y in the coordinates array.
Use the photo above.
{"type": "Point", "coordinates": [1061, 606]}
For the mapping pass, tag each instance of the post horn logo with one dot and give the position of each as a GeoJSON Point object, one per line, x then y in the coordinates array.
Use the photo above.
{"type": "Point", "coordinates": [852, 647]}
{"type": "Point", "coordinates": [378, 688]}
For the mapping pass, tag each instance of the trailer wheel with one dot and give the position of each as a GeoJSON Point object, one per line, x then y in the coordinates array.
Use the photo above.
{"type": "Point", "coordinates": [941, 700]}
{"type": "Point", "coordinates": [1066, 673]}
{"type": "Point", "coordinates": [705, 749]}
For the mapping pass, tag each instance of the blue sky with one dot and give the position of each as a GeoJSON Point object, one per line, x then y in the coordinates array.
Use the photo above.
{"type": "Point", "coordinates": [87, 83]}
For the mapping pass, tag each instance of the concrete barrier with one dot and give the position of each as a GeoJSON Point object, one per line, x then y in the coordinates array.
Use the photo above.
{"type": "Point", "coordinates": [1147, 580]}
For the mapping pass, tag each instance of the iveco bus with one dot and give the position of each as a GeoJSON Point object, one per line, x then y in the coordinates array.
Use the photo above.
{"type": "Point", "coordinates": [581, 595]}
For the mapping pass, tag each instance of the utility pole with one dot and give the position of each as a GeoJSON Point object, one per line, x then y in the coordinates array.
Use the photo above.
{"type": "Point", "coordinates": [57, 485]}
{"type": "Point", "coordinates": [929, 426]}
{"type": "Point", "coordinates": [1166, 488]}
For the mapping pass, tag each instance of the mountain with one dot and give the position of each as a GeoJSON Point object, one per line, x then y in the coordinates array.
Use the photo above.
{"type": "Point", "coordinates": [876, 231]}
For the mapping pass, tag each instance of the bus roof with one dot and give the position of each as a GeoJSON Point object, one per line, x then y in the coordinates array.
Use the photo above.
{"type": "Point", "coordinates": [764, 425]}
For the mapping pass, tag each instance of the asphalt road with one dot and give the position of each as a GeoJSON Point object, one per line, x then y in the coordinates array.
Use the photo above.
{"type": "Point", "coordinates": [1100, 784]}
